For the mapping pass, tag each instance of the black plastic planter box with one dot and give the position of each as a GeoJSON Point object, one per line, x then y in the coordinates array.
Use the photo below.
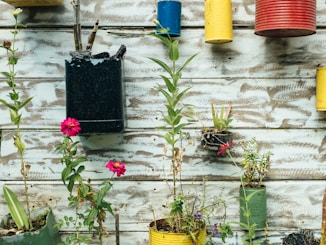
{"type": "Point", "coordinates": [94, 94]}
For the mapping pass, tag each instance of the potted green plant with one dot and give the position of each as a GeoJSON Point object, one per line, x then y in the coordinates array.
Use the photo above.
{"type": "Point", "coordinates": [81, 192]}
{"type": "Point", "coordinates": [218, 138]}
{"type": "Point", "coordinates": [31, 226]}
{"type": "Point", "coordinates": [94, 76]}
{"type": "Point", "coordinates": [253, 205]}
{"type": "Point", "coordinates": [186, 223]}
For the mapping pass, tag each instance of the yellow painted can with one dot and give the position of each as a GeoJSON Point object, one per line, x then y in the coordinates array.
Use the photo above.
{"type": "Point", "coordinates": [168, 238]}
{"type": "Point", "coordinates": [321, 89]}
{"type": "Point", "coordinates": [218, 21]}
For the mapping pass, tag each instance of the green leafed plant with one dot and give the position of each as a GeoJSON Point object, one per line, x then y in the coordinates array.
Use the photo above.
{"type": "Point", "coordinates": [187, 214]}
{"type": "Point", "coordinates": [221, 120]}
{"type": "Point", "coordinates": [15, 104]}
{"type": "Point", "coordinates": [255, 164]}
{"type": "Point", "coordinates": [81, 192]}
{"type": "Point", "coordinates": [16, 209]}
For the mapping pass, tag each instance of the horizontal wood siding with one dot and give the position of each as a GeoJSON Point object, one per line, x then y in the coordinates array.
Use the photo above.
{"type": "Point", "coordinates": [270, 82]}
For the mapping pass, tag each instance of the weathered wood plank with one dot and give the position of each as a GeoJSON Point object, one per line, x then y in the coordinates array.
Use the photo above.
{"type": "Point", "coordinates": [298, 154]}
{"type": "Point", "coordinates": [43, 52]}
{"type": "Point", "coordinates": [256, 103]}
{"type": "Point", "coordinates": [141, 238]}
{"type": "Point", "coordinates": [291, 204]}
{"type": "Point", "coordinates": [139, 13]}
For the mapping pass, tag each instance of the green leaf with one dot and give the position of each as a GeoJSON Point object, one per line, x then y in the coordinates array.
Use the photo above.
{"type": "Point", "coordinates": [24, 103]}
{"type": "Point", "coordinates": [84, 189]}
{"type": "Point", "coordinates": [10, 106]}
{"type": "Point", "coordinates": [6, 74]}
{"type": "Point", "coordinates": [65, 174]}
{"type": "Point", "coordinates": [12, 60]}
{"type": "Point", "coordinates": [174, 51]}
{"type": "Point", "coordinates": [102, 193]}
{"type": "Point", "coordinates": [180, 127]}
{"type": "Point", "coordinates": [80, 169]}
{"type": "Point", "coordinates": [187, 62]}
{"type": "Point", "coordinates": [16, 209]}
{"type": "Point", "coordinates": [169, 84]}
{"type": "Point", "coordinates": [164, 39]}
{"type": "Point", "coordinates": [181, 94]}
{"type": "Point", "coordinates": [166, 94]}
{"type": "Point", "coordinates": [162, 64]}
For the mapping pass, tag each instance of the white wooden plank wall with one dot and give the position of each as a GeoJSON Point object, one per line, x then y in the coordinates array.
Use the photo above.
{"type": "Point", "coordinates": [271, 83]}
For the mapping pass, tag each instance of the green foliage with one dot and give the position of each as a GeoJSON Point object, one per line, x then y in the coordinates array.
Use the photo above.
{"type": "Point", "coordinates": [174, 116]}
{"type": "Point", "coordinates": [16, 209]}
{"type": "Point", "coordinates": [82, 192]}
{"type": "Point", "coordinates": [221, 121]}
{"type": "Point", "coordinates": [188, 214]}
{"type": "Point", "coordinates": [15, 104]}
{"type": "Point", "coordinates": [251, 152]}
{"type": "Point", "coordinates": [255, 165]}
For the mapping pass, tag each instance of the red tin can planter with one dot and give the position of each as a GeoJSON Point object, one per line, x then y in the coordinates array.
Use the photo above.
{"type": "Point", "coordinates": [285, 18]}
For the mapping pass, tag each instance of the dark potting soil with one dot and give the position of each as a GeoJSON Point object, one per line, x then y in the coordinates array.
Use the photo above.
{"type": "Point", "coordinates": [304, 237]}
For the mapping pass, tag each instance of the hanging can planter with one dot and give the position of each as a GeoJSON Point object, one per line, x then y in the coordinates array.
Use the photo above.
{"type": "Point", "coordinates": [285, 18]}
{"type": "Point", "coordinates": [172, 238]}
{"type": "Point", "coordinates": [169, 15]}
{"type": "Point", "coordinates": [321, 89]}
{"type": "Point", "coordinates": [94, 94]}
{"type": "Point", "coordinates": [218, 21]}
{"type": "Point", "coordinates": [257, 206]}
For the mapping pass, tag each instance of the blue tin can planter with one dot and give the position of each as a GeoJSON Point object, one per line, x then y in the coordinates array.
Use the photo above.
{"type": "Point", "coordinates": [169, 15]}
{"type": "Point", "coordinates": [94, 94]}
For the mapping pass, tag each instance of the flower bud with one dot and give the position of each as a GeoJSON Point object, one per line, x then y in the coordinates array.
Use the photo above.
{"type": "Point", "coordinates": [156, 22]}
{"type": "Point", "coordinates": [6, 44]}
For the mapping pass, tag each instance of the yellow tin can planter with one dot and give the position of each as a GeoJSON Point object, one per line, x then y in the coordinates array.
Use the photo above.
{"type": "Point", "coordinates": [33, 3]}
{"type": "Point", "coordinates": [170, 238]}
{"type": "Point", "coordinates": [321, 89]}
{"type": "Point", "coordinates": [218, 21]}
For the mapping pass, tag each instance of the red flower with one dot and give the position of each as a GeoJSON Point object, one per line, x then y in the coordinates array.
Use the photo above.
{"type": "Point", "coordinates": [70, 127]}
{"type": "Point", "coordinates": [116, 167]}
{"type": "Point", "coordinates": [223, 148]}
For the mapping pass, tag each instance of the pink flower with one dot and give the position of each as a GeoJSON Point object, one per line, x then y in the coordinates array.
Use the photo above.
{"type": "Point", "coordinates": [116, 167]}
{"type": "Point", "coordinates": [223, 148]}
{"type": "Point", "coordinates": [70, 127]}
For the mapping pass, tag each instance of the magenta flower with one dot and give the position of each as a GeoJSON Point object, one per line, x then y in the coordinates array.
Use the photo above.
{"type": "Point", "coordinates": [223, 148]}
{"type": "Point", "coordinates": [116, 167]}
{"type": "Point", "coordinates": [70, 127]}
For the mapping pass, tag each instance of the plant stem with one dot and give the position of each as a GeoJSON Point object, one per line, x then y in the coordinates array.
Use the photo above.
{"type": "Point", "coordinates": [24, 169]}
{"type": "Point", "coordinates": [77, 26]}
{"type": "Point", "coordinates": [76, 222]}
{"type": "Point", "coordinates": [323, 227]}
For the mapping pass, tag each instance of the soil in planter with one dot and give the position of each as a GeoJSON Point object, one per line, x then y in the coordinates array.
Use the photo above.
{"type": "Point", "coordinates": [212, 140]}
{"type": "Point", "coordinates": [162, 225]}
{"type": "Point", "coordinates": [304, 237]}
{"type": "Point", "coordinates": [9, 228]}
